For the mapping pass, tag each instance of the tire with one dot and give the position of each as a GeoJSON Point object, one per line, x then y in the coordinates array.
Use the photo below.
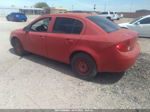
{"type": "Point", "coordinates": [109, 18]}
{"type": "Point", "coordinates": [124, 27]}
{"type": "Point", "coordinates": [7, 19]}
{"type": "Point", "coordinates": [18, 48]}
{"type": "Point", "coordinates": [84, 66]}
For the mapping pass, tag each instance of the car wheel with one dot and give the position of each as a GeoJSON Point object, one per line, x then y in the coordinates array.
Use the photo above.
{"type": "Point", "coordinates": [124, 27]}
{"type": "Point", "coordinates": [7, 19]}
{"type": "Point", "coordinates": [19, 50]}
{"type": "Point", "coordinates": [83, 66]}
{"type": "Point", "coordinates": [108, 18]}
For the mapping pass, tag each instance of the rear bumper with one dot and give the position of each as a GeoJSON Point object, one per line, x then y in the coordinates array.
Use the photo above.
{"type": "Point", "coordinates": [113, 60]}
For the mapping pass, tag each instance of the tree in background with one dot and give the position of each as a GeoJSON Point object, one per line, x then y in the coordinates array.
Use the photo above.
{"type": "Point", "coordinates": [41, 5]}
{"type": "Point", "coordinates": [44, 6]}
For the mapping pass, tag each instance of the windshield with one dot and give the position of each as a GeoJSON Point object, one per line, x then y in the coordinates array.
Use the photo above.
{"type": "Point", "coordinates": [104, 23]}
{"type": "Point", "coordinates": [135, 20]}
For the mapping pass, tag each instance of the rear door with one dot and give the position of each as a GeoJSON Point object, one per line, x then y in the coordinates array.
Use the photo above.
{"type": "Point", "coordinates": [64, 36]}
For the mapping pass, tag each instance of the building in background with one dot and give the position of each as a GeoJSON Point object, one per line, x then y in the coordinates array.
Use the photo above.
{"type": "Point", "coordinates": [28, 11]}
{"type": "Point", "coordinates": [54, 10]}
{"type": "Point", "coordinates": [136, 14]}
{"type": "Point", "coordinates": [32, 11]}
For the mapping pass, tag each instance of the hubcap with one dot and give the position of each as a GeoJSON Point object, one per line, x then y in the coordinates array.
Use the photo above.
{"type": "Point", "coordinates": [82, 66]}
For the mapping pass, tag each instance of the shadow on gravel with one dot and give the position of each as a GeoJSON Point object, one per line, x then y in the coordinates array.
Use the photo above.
{"type": "Point", "coordinates": [101, 78]}
{"type": "Point", "coordinates": [145, 37]}
{"type": "Point", "coordinates": [107, 78]}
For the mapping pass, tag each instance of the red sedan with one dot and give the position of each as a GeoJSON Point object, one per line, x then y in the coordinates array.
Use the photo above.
{"type": "Point", "coordinates": [89, 43]}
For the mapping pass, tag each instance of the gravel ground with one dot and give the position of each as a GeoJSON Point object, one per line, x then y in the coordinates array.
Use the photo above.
{"type": "Point", "coordinates": [36, 82]}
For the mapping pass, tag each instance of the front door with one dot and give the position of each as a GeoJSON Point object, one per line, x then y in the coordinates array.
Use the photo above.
{"type": "Point", "coordinates": [145, 27]}
{"type": "Point", "coordinates": [37, 35]}
{"type": "Point", "coordinates": [142, 27]}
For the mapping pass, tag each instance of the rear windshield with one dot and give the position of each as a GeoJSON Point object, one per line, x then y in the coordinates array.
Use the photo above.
{"type": "Point", "coordinates": [104, 23]}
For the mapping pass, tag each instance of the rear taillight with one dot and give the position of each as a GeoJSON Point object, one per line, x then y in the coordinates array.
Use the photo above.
{"type": "Point", "coordinates": [126, 46]}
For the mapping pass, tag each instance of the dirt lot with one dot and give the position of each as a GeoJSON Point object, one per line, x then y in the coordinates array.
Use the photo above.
{"type": "Point", "coordinates": [36, 82]}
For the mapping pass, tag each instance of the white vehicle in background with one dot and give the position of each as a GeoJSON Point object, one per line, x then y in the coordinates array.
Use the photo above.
{"type": "Point", "coordinates": [110, 15]}
{"type": "Point", "coordinates": [141, 25]}
{"type": "Point", "coordinates": [121, 15]}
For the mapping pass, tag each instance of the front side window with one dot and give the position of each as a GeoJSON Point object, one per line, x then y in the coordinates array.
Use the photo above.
{"type": "Point", "coordinates": [67, 26]}
{"type": "Point", "coordinates": [41, 25]}
{"type": "Point", "coordinates": [104, 23]}
{"type": "Point", "coordinates": [145, 21]}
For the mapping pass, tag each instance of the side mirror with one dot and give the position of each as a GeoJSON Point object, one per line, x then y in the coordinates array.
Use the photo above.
{"type": "Point", "coordinates": [26, 29]}
{"type": "Point", "coordinates": [137, 23]}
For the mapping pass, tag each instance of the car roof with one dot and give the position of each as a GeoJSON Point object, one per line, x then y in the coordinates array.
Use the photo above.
{"type": "Point", "coordinates": [16, 13]}
{"type": "Point", "coordinates": [146, 16]}
{"type": "Point", "coordinates": [143, 17]}
{"type": "Point", "coordinates": [81, 15]}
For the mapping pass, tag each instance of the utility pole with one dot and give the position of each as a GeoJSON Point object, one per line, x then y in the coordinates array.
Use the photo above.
{"type": "Point", "coordinates": [105, 6]}
{"type": "Point", "coordinates": [72, 7]}
{"type": "Point", "coordinates": [131, 6]}
{"type": "Point", "coordinates": [94, 7]}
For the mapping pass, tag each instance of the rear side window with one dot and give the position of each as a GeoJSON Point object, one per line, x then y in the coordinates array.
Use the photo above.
{"type": "Point", "coordinates": [67, 26]}
{"type": "Point", "coordinates": [104, 23]}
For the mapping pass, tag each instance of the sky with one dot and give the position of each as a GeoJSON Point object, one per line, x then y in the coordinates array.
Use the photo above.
{"type": "Point", "coordinates": [101, 5]}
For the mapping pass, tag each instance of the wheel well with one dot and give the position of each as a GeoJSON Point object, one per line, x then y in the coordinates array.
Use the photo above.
{"type": "Point", "coordinates": [12, 40]}
{"type": "Point", "coordinates": [76, 52]}
{"type": "Point", "coordinates": [124, 27]}
{"type": "Point", "coordinates": [108, 17]}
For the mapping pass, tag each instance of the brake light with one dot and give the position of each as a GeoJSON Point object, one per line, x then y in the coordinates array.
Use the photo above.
{"type": "Point", "coordinates": [125, 46]}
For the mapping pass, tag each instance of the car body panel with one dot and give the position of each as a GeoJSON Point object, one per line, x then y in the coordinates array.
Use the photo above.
{"type": "Point", "coordinates": [93, 40]}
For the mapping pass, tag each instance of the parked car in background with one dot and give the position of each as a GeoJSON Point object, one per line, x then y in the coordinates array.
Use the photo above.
{"type": "Point", "coordinates": [89, 43]}
{"type": "Point", "coordinates": [121, 15]}
{"type": "Point", "coordinates": [16, 17]}
{"type": "Point", "coordinates": [110, 15]}
{"type": "Point", "coordinates": [141, 25]}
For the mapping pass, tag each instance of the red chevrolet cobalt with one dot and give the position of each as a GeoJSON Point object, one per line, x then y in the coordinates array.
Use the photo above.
{"type": "Point", "coordinates": [89, 43]}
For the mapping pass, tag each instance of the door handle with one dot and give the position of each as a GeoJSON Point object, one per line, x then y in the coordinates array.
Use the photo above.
{"type": "Point", "coordinates": [42, 37]}
{"type": "Point", "coordinates": [70, 40]}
